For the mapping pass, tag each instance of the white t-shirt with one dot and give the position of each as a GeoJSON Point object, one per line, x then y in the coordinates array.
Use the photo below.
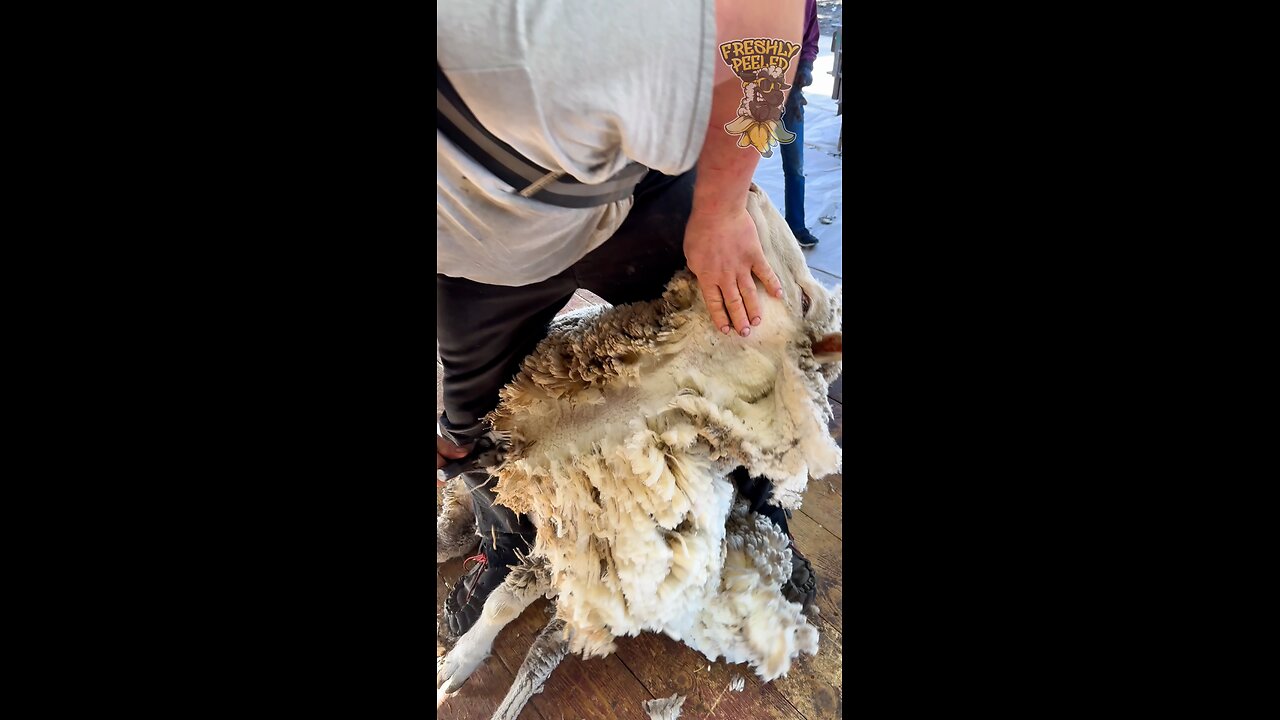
{"type": "Point", "coordinates": [583, 87]}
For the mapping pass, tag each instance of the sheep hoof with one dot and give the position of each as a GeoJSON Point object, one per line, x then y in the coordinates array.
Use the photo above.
{"type": "Point", "coordinates": [453, 669]}
{"type": "Point", "coordinates": [448, 677]}
{"type": "Point", "coordinates": [441, 696]}
{"type": "Point", "coordinates": [448, 680]}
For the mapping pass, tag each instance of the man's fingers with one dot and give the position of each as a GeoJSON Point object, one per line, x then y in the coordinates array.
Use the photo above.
{"type": "Point", "coordinates": [736, 308]}
{"type": "Point", "coordinates": [747, 286]}
{"type": "Point", "coordinates": [772, 284]}
{"type": "Point", "coordinates": [446, 451]}
{"type": "Point", "coordinates": [715, 306]}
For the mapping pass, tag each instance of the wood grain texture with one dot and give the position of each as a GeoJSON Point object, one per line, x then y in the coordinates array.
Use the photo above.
{"type": "Point", "coordinates": [595, 689]}
{"type": "Point", "coordinates": [824, 552]}
{"type": "Point", "coordinates": [480, 696]}
{"type": "Point", "coordinates": [667, 667]}
{"type": "Point", "coordinates": [822, 503]}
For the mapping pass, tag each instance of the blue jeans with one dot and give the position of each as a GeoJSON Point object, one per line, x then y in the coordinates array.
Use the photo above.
{"type": "Point", "coordinates": [793, 162]}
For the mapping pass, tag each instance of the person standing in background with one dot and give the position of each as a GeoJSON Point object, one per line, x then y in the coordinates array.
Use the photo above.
{"type": "Point", "coordinates": [793, 120]}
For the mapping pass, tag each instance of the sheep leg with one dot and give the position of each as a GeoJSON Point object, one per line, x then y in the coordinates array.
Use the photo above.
{"type": "Point", "coordinates": [526, 583]}
{"type": "Point", "coordinates": [456, 524]}
{"type": "Point", "coordinates": [547, 652]}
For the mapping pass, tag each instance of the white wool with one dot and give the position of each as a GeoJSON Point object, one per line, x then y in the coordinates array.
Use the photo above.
{"type": "Point", "coordinates": [624, 430]}
{"type": "Point", "coordinates": [664, 708]}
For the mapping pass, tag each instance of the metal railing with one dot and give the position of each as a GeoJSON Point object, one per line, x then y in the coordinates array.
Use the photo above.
{"type": "Point", "coordinates": [837, 92]}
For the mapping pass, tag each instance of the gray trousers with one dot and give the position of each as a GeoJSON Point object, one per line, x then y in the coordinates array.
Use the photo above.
{"type": "Point", "coordinates": [485, 331]}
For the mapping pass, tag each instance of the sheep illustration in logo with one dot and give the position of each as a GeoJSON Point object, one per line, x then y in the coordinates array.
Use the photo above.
{"type": "Point", "coordinates": [761, 64]}
{"type": "Point", "coordinates": [759, 121]}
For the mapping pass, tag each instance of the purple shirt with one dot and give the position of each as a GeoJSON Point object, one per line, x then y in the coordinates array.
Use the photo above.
{"type": "Point", "coordinates": [810, 50]}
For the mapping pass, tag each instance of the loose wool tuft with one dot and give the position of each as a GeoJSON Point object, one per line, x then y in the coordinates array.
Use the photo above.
{"type": "Point", "coordinates": [624, 425]}
{"type": "Point", "coordinates": [455, 524]}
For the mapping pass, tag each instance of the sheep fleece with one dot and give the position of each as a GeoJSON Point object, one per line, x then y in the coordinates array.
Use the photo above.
{"type": "Point", "coordinates": [623, 426]}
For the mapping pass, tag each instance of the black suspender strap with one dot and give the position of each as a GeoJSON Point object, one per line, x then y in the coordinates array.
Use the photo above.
{"type": "Point", "coordinates": [536, 182]}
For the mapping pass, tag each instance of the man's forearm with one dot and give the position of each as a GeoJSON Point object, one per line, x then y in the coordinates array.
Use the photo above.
{"type": "Point", "coordinates": [721, 242]}
{"type": "Point", "coordinates": [724, 169]}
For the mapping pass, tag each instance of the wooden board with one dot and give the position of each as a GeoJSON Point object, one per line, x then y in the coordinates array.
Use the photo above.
{"type": "Point", "coordinates": [667, 667]}
{"type": "Point", "coordinates": [481, 695]}
{"type": "Point", "coordinates": [595, 689]}
{"type": "Point", "coordinates": [823, 505]}
{"type": "Point", "coordinates": [824, 552]}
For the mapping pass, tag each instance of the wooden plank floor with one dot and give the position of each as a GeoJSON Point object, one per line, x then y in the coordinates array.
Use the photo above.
{"type": "Point", "coordinates": [655, 666]}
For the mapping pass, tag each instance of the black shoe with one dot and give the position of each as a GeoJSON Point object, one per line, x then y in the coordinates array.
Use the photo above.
{"type": "Point", "coordinates": [492, 565]}
{"type": "Point", "coordinates": [806, 238]}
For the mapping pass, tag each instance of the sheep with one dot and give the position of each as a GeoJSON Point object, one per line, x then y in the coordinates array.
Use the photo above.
{"type": "Point", "coordinates": [620, 433]}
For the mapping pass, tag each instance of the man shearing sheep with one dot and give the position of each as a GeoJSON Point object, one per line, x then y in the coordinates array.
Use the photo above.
{"type": "Point", "coordinates": [581, 145]}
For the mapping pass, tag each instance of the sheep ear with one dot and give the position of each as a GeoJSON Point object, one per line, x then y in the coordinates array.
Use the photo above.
{"type": "Point", "coordinates": [829, 348]}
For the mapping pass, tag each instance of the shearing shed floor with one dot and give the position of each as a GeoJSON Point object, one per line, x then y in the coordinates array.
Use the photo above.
{"type": "Point", "coordinates": [654, 666]}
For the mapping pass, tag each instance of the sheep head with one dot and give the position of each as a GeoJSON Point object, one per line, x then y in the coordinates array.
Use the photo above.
{"type": "Point", "coordinates": [807, 311]}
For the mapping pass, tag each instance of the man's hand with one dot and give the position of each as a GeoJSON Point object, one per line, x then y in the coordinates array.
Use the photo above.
{"type": "Point", "coordinates": [723, 251]}
{"type": "Point", "coordinates": [445, 452]}
{"type": "Point", "coordinates": [804, 74]}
